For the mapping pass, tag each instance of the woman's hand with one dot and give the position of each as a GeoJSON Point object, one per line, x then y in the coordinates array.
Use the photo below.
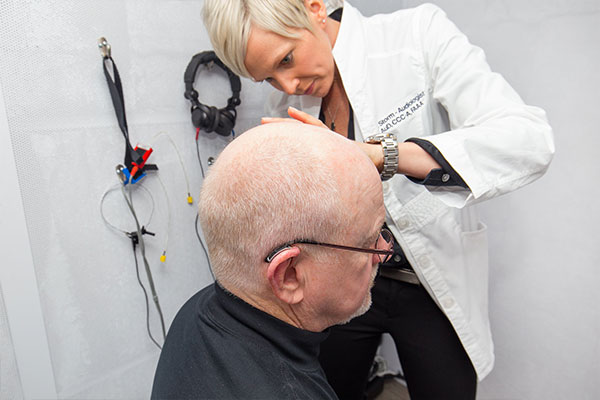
{"type": "Point", "coordinates": [372, 150]}
{"type": "Point", "coordinates": [413, 160]}
{"type": "Point", "coordinates": [375, 153]}
{"type": "Point", "coordinates": [296, 116]}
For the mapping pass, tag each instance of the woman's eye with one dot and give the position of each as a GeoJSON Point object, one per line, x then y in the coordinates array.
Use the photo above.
{"type": "Point", "coordinates": [287, 59]}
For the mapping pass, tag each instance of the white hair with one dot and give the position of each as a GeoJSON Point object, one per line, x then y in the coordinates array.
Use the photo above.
{"type": "Point", "coordinates": [228, 23]}
{"type": "Point", "coordinates": [273, 184]}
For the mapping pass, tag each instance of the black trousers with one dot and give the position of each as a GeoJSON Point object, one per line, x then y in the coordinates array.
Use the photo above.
{"type": "Point", "coordinates": [434, 362]}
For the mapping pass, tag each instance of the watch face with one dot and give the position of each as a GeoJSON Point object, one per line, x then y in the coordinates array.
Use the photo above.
{"type": "Point", "coordinates": [378, 138]}
{"type": "Point", "coordinates": [374, 139]}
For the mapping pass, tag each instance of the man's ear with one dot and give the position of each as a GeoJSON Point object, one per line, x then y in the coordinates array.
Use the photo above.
{"type": "Point", "coordinates": [286, 282]}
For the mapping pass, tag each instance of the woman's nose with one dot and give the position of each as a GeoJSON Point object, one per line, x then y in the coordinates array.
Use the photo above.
{"type": "Point", "coordinates": [288, 84]}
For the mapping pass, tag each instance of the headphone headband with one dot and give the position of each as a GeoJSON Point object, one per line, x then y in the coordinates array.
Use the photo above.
{"type": "Point", "coordinates": [204, 58]}
{"type": "Point", "coordinates": [205, 117]}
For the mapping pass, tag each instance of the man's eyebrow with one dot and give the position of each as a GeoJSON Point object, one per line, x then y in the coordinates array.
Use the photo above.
{"type": "Point", "coordinates": [371, 239]}
{"type": "Point", "coordinates": [379, 230]}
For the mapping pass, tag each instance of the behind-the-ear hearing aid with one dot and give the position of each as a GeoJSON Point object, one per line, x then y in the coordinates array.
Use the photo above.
{"type": "Point", "coordinates": [209, 118]}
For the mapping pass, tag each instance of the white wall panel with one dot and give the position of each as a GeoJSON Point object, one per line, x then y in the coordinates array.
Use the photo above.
{"type": "Point", "coordinates": [25, 367]}
{"type": "Point", "coordinates": [66, 142]}
{"type": "Point", "coordinates": [543, 238]}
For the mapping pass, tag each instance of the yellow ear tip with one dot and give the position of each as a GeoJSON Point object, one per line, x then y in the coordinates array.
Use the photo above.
{"type": "Point", "coordinates": [163, 258]}
{"type": "Point", "coordinates": [190, 200]}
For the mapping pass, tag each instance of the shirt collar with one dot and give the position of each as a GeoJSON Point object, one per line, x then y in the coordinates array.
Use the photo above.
{"type": "Point", "coordinates": [299, 345]}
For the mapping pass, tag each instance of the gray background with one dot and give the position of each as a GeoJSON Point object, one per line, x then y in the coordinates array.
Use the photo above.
{"type": "Point", "coordinates": [71, 312]}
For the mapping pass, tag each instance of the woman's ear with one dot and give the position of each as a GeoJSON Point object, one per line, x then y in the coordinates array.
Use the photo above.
{"type": "Point", "coordinates": [316, 10]}
{"type": "Point", "coordinates": [284, 278]}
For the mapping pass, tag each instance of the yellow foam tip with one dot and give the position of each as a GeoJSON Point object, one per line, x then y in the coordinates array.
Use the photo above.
{"type": "Point", "coordinates": [190, 200]}
{"type": "Point", "coordinates": [163, 258]}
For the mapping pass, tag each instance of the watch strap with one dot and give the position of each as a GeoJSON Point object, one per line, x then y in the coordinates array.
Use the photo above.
{"type": "Point", "coordinates": [390, 157]}
{"type": "Point", "coordinates": [389, 144]}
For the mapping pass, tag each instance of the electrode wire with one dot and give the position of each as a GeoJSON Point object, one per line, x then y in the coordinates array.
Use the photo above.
{"type": "Point", "coordinates": [146, 264]}
{"type": "Point", "coordinates": [137, 272]}
{"type": "Point", "coordinates": [112, 189]}
{"type": "Point", "coordinates": [166, 134]}
{"type": "Point", "coordinates": [203, 247]}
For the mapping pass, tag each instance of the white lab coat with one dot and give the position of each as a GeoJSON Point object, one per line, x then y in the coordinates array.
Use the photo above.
{"type": "Point", "coordinates": [402, 72]}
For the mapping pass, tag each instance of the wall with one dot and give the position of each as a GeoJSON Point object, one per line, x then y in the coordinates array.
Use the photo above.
{"type": "Point", "coordinates": [543, 238]}
{"type": "Point", "coordinates": [544, 243]}
{"type": "Point", "coordinates": [66, 143]}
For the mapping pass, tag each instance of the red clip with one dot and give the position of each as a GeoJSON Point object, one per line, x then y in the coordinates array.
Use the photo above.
{"type": "Point", "coordinates": [139, 166]}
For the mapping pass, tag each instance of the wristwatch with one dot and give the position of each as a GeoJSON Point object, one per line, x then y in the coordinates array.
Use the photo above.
{"type": "Point", "coordinates": [390, 153]}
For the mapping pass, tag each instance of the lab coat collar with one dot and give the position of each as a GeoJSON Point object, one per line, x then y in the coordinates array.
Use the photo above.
{"type": "Point", "coordinates": [351, 60]}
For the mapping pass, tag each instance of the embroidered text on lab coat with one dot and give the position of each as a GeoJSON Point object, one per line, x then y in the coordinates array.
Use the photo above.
{"type": "Point", "coordinates": [402, 113]}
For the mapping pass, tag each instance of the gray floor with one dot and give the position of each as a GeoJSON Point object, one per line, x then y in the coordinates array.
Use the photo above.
{"type": "Point", "coordinates": [393, 390]}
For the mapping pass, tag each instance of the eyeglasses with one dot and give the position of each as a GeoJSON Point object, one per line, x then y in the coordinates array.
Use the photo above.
{"type": "Point", "coordinates": [385, 240]}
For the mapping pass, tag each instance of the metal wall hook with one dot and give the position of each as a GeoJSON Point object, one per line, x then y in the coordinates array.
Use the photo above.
{"type": "Point", "coordinates": [104, 47]}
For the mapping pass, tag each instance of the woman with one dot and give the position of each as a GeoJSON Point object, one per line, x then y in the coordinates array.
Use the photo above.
{"type": "Point", "coordinates": [444, 131]}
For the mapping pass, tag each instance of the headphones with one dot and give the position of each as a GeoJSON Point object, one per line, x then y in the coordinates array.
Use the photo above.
{"type": "Point", "coordinates": [209, 118]}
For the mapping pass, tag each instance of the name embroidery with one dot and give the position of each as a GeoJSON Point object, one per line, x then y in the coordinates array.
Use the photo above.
{"type": "Point", "coordinates": [402, 113]}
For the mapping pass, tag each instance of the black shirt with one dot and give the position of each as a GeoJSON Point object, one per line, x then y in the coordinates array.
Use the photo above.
{"type": "Point", "coordinates": [220, 347]}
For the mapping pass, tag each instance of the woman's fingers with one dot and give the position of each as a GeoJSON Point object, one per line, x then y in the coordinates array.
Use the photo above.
{"type": "Point", "coordinates": [304, 117]}
{"type": "Point", "coordinates": [268, 120]}
{"type": "Point", "coordinates": [296, 116]}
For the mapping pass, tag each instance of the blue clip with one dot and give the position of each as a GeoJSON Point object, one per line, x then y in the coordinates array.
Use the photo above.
{"type": "Point", "coordinates": [125, 175]}
{"type": "Point", "coordinates": [143, 174]}
{"type": "Point", "coordinates": [122, 173]}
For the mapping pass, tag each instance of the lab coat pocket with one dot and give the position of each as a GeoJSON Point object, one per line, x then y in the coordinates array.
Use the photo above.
{"type": "Point", "coordinates": [475, 247]}
{"type": "Point", "coordinates": [475, 253]}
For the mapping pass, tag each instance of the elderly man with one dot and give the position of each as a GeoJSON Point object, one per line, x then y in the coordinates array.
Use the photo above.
{"type": "Point", "coordinates": [293, 218]}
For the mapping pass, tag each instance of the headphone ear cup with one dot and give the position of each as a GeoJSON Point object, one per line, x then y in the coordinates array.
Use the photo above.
{"type": "Point", "coordinates": [213, 119]}
{"type": "Point", "coordinates": [199, 116]}
{"type": "Point", "coordinates": [226, 122]}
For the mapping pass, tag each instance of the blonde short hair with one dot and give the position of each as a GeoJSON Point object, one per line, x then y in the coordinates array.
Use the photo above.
{"type": "Point", "coordinates": [271, 185]}
{"type": "Point", "coordinates": [228, 23]}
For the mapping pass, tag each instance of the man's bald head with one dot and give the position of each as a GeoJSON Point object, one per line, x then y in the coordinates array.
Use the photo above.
{"type": "Point", "coordinates": [276, 183]}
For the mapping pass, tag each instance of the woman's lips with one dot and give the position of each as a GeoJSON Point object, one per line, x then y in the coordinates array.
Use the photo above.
{"type": "Point", "coordinates": [310, 89]}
